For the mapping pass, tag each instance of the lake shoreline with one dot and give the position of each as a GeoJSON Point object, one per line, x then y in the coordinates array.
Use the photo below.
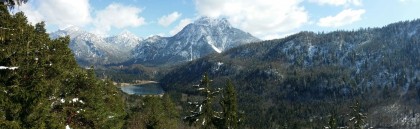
{"type": "Point", "coordinates": [147, 89]}
{"type": "Point", "coordinates": [137, 82]}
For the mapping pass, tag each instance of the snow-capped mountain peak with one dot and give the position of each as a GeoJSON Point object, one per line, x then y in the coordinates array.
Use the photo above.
{"type": "Point", "coordinates": [204, 36]}
{"type": "Point", "coordinates": [207, 21]}
{"type": "Point", "coordinates": [72, 29]}
{"type": "Point", "coordinates": [128, 34]}
{"type": "Point", "coordinates": [90, 49]}
{"type": "Point", "coordinates": [200, 38]}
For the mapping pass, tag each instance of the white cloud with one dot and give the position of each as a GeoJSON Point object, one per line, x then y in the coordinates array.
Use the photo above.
{"type": "Point", "coordinates": [180, 26]}
{"type": "Point", "coordinates": [33, 15]}
{"type": "Point", "coordinates": [338, 2]}
{"type": "Point", "coordinates": [119, 16]}
{"type": "Point", "coordinates": [270, 17]}
{"type": "Point", "coordinates": [59, 12]}
{"type": "Point", "coordinates": [345, 17]}
{"type": "Point", "coordinates": [169, 19]}
{"type": "Point", "coordinates": [406, 1]}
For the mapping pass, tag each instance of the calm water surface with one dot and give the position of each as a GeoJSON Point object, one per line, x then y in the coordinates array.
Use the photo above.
{"type": "Point", "coordinates": [144, 89]}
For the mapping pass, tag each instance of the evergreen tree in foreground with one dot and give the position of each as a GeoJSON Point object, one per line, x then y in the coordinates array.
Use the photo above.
{"type": "Point", "coordinates": [155, 113]}
{"type": "Point", "coordinates": [230, 107]}
{"type": "Point", "coordinates": [358, 119]}
{"type": "Point", "coordinates": [203, 113]}
{"type": "Point", "coordinates": [42, 85]}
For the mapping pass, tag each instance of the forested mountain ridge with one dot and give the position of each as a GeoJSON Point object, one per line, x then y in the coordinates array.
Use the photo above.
{"type": "Point", "coordinates": [42, 86]}
{"type": "Point", "coordinates": [278, 80]}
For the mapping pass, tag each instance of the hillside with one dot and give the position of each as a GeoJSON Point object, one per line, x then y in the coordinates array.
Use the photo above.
{"type": "Point", "coordinates": [288, 79]}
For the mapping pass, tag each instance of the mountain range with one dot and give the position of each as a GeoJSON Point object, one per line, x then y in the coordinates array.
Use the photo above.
{"type": "Point", "coordinates": [198, 39]}
{"type": "Point", "coordinates": [300, 79]}
{"type": "Point", "coordinates": [279, 80]}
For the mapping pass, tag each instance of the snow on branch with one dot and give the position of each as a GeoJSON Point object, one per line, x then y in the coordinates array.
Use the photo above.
{"type": "Point", "coordinates": [9, 68]}
{"type": "Point", "coordinates": [6, 28]}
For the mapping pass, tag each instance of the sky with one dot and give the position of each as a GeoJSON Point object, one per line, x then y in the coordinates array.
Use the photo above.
{"type": "Point", "coordinates": [265, 19]}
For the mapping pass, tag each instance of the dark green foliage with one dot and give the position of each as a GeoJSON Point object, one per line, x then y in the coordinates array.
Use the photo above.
{"type": "Point", "coordinates": [130, 73]}
{"type": "Point", "coordinates": [202, 113]}
{"type": "Point", "coordinates": [12, 3]}
{"type": "Point", "coordinates": [357, 117]}
{"type": "Point", "coordinates": [48, 89]}
{"type": "Point", "coordinates": [299, 80]}
{"type": "Point", "coordinates": [230, 108]}
{"type": "Point", "coordinates": [154, 113]}
{"type": "Point", "coordinates": [332, 122]}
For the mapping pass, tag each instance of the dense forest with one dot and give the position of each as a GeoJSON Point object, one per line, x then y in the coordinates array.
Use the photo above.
{"type": "Point", "coordinates": [42, 86]}
{"type": "Point", "coordinates": [306, 78]}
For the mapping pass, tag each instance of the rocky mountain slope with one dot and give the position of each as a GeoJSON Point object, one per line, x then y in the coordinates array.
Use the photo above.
{"type": "Point", "coordinates": [90, 49]}
{"type": "Point", "coordinates": [379, 67]}
{"type": "Point", "coordinates": [196, 40]}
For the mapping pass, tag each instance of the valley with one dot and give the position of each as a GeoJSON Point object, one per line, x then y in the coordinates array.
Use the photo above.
{"type": "Point", "coordinates": [328, 72]}
{"type": "Point", "coordinates": [211, 73]}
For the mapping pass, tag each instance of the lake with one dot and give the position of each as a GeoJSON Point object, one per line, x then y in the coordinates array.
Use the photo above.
{"type": "Point", "coordinates": [143, 89]}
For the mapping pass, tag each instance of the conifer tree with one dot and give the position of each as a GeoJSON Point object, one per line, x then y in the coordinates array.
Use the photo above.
{"type": "Point", "coordinates": [46, 88]}
{"type": "Point", "coordinates": [12, 3]}
{"type": "Point", "coordinates": [172, 114]}
{"type": "Point", "coordinates": [357, 120]}
{"type": "Point", "coordinates": [230, 109]}
{"type": "Point", "coordinates": [203, 114]}
{"type": "Point", "coordinates": [332, 122]}
{"type": "Point", "coordinates": [155, 113]}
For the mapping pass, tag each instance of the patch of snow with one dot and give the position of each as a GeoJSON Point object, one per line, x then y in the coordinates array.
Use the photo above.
{"type": "Point", "coordinates": [219, 63]}
{"type": "Point", "coordinates": [311, 51]}
{"type": "Point", "coordinates": [52, 104]}
{"type": "Point", "coordinates": [191, 53]}
{"type": "Point", "coordinates": [9, 68]}
{"type": "Point", "coordinates": [109, 117]}
{"type": "Point", "coordinates": [363, 43]}
{"type": "Point", "coordinates": [216, 117]}
{"type": "Point", "coordinates": [204, 121]}
{"type": "Point", "coordinates": [410, 34]}
{"type": "Point", "coordinates": [68, 127]}
{"type": "Point", "coordinates": [51, 97]}
{"type": "Point", "coordinates": [211, 43]}
{"type": "Point", "coordinates": [216, 49]}
{"type": "Point", "coordinates": [62, 100]}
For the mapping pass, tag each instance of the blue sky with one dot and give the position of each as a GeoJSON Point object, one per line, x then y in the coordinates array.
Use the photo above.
{"type": "Point", "coordinates": [265, 19]}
